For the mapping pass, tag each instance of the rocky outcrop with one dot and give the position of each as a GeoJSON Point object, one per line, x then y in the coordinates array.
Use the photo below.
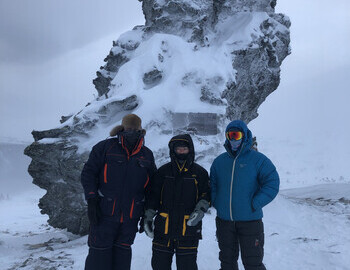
{"type": "Point", "coordinates": [56, 166]}
{"type": "Point", "coordinates": [223, 55]}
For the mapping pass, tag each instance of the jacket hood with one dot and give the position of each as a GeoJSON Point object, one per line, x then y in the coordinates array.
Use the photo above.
{"type": "Point", "coordinates": [185, 138]}
{"type": "Point", "coordinates": [247, 139]}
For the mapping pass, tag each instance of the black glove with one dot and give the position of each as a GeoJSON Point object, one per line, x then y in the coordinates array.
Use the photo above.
{"type": "Point", "coordinates": [94, 210]}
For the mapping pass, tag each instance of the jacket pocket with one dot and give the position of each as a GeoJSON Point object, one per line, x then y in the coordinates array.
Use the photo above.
{"type": "Point", "coordinates": [136, 209]}
{"type": "Point", "coordinates": [108, 206]}
{"type": "Point", "coordinates": [184, 226]}
{"type": "Point", "coordinates": [113, 163]}
{"type": "Point", "coordinates": [191, 231]}
{"type": "Point", "coordinates": [115, 159]}
{"type": "Point", "coordinates": [161, 223]}
{"type": "Point", "coordinates": [144, 163]}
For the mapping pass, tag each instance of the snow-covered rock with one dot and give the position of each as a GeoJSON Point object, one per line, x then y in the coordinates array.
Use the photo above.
{"type": "Point", "coordinates": [192, 67]}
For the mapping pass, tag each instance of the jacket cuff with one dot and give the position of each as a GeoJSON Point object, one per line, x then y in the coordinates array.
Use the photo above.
{"type": "Point", "coordinates": [91, 194]}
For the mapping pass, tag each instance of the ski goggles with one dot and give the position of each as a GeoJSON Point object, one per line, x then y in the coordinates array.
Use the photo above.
{"type": "Point", "coordinates": [234, 135]}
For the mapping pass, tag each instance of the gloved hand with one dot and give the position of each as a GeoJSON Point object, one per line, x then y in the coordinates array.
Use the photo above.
{"type": "Point", "coordinates": [94, 210]}
{"type": "Point", "coordinates": [148, 222]}
{"type": "Point", "coordinates": [198, 213]}
{"type": "Point", "coordinates": [142, 225]}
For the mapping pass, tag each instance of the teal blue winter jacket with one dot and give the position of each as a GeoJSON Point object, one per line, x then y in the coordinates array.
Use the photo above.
{"type": "Point", "coordinates": [242, 182]}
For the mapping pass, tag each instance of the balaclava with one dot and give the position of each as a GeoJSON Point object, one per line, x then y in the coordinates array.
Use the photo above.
{"type": "Point", "coordinates": [131, 138]}
{"type": "Point", "coordinates": [181, 157]}
{"type": "Point", "coordinates": [235, 144]}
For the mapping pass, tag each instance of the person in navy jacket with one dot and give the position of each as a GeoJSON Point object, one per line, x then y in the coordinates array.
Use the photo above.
{"type": "Point", "coordinates": [115, 180]}
{"type": "Point", "coordinates": [242, 182]}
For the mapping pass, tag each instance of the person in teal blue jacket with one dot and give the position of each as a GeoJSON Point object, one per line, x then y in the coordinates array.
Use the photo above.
{"type": "Point", "coordinates": [242, 182]}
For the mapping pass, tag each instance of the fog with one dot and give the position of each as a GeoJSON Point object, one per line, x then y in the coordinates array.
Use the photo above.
{"type": "Point", "coordinates": [50, 51]}
{"type": "Point", "coordinates": [13, 171]}
{"type": "Point", "coordinates": [311, 101]}
{"type": "Point", "coordinates": [49, 54]}
{"type": "Point", "coordinates": [37, 30]}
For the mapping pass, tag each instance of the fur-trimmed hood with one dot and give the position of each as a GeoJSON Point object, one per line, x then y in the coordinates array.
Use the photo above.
{"type": "Point", "coordinates": [120, 128]}
{"type": "Point", "coordinates": [129, 121]}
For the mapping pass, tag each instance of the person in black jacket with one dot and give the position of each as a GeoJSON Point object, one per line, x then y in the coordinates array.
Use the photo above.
{"type": "Point", "coordinates": [179, 197]}
{"type": "Point", "coordinates": [115, 180]}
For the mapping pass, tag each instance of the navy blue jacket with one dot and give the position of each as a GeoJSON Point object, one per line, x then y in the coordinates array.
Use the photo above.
{"type": "Point", "coordinates": [242, 182]}
{"type": "Point", "coordinates": [119, 177]}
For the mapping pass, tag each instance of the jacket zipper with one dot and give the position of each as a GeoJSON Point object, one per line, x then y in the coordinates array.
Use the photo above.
{"type": "Point", "coordinates": [139, 144]}
{"type": "Point", "coordinates": [126, 177]}
{"type": "Point", "coordinates": [233, 172]}
{"type": "Point", "coordinates": [196, 183]}
{"type": "Point", "coordinates": [161, 195]}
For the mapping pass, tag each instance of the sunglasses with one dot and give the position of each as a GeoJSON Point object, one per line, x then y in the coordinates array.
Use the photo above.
{"type": "Point", "coordinates": [234, 135]}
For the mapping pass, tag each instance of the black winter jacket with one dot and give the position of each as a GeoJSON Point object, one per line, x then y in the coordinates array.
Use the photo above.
{"type": "Point", "coordinates": [175, 191]}
{"type": "Point", "coordinates": [119, 177]}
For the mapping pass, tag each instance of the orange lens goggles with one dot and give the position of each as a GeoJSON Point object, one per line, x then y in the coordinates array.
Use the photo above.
{"type": "Point", "coordinates": [234, 135]}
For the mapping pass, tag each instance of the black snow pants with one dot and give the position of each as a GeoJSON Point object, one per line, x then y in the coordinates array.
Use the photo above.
{"type": "Point", "coordinates": [247, 236]}
{"type": "Point", "coordinates": [110, 245]}
{"type": "Point", "coordinates": [186, 257]}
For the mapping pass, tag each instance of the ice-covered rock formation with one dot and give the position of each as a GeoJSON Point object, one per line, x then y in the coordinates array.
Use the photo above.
{"type": "Point", "coordinates": [193, 66]}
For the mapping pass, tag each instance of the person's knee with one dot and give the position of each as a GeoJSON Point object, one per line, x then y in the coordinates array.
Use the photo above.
{"type": "Point", "coordinates": [99, 258]}
{"type": "Point", "coordinates": [186, 261]}
{"type": "Point", "coordinates": [161, 260]}
{"type": "Point", "coordinates": [122, 257]}
{"type": "Point", "coordinates": [252, 261]}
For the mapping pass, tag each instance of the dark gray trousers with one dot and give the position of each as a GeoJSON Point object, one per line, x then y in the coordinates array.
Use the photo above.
{"type": "Point", "coordinates": [247, 236]}
{"type": "Point", "coordinates": [186, 256]}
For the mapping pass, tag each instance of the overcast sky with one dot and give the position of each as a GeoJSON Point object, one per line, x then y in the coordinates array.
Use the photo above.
{"type": "Point", "coordinates": [313, 94]}
{"type": "Point", "coordinates": [37, 30]}
{"type": "Point", "coordinates": [50, 51]}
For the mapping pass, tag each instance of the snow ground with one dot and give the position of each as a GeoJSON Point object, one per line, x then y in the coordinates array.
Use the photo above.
{"type": "Point", "coordinates": [305, 228]}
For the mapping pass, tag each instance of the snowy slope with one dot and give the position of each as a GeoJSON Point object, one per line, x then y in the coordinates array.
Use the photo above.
{"type": "Point", "coordinates": [298, 236]}
{"type": "Point", "coordinates": [305, 228]}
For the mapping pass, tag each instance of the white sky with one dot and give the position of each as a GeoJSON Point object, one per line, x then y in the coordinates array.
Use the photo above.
{"type": "Point", "coordinates": [49, 54]}
{"type": "Point", "coordinates": [50, 51]}
{"type": "Point", "coordinates": [312, 98]}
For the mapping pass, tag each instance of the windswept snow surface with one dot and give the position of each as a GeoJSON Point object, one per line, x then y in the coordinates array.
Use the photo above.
{"type": "Point", "coordinates": [306, 228]}
{"type": "Point", "coordinates": [297, 235]}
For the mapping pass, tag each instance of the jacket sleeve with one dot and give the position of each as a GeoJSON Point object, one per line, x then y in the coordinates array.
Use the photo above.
{"type": "Point", "coordinates": [151, 172]}
{"type": "Point", "coordinates": [269, 182]}
{"type": "Point", "coordinates": [203, 186]}
{"type": "Point", "coordinates": [155, 190]}
{"type": "Point", "coordinates": [153, 168]}
{"type": "Point", "coordinates": [213, 183]}
{"type": "Point", "coordinates": [91, 171]}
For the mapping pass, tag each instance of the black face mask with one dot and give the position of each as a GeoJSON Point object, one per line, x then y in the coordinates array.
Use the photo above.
{"type": "Point", "coordinates": [131, 138]}
{"type": "Point", "coordinates": [181, 157]}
